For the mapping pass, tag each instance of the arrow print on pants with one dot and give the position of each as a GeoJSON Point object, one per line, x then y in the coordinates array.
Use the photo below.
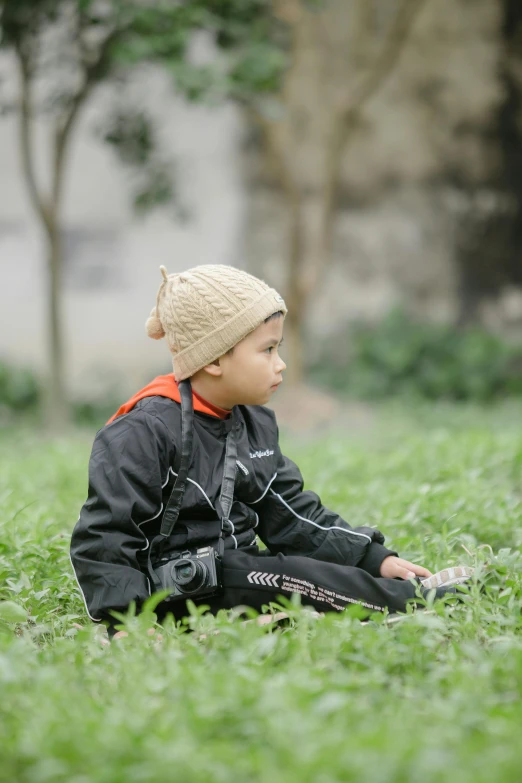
{"type": "Point", "coordinates": [262, 578]}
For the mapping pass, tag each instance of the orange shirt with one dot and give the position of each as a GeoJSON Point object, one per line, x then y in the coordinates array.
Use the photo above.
{"type": "Point", "coordinates": [167, 386]}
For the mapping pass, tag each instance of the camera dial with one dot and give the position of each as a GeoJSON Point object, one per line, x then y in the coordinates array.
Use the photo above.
{"type": "Point", "coordinates": [189, 575]}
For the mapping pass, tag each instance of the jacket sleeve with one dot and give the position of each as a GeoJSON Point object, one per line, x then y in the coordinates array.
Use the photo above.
{"type": "Point", "coordinates": [295, 522]}
{"type": "Point", "coordinates": [130, 461]}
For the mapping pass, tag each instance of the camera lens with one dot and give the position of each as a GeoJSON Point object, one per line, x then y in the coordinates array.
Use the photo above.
{"type": "Point", "coordinates": [185, 572]}
{"type": "Point", "coordinates": [189, 575]}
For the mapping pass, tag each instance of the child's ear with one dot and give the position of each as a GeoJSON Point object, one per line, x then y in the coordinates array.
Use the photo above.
{"type": "Point", "coordinates": [214, 369]}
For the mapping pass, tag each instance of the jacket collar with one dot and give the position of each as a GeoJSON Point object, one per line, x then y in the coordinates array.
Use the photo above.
{"type": "Point", "coordinates": [166, 386]}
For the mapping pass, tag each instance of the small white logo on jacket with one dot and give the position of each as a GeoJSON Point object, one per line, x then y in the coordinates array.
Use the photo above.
{"type": "Point", "coordinates": [267, 453]}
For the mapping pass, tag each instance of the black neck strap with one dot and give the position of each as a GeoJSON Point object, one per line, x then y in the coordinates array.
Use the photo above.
{"type": "Point", "coordinates": [172, 509]}
{"type": "Point", "coordinates": [226, 497]}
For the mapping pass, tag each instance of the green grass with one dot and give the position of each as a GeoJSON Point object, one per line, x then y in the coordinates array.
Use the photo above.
{"type": "Point", "coordinates": [435, 696]}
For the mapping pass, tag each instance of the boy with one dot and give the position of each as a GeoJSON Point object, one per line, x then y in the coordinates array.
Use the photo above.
{"type": "Point", "coordinates": [223, 328]}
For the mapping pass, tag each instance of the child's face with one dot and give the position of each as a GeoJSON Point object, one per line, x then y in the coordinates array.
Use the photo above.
{"type": "Point", "coordinates": [249, 375]}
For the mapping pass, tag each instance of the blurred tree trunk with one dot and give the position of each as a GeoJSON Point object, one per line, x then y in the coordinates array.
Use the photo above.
{"type": "Point", "coordinates": [47, 208]}
{"type": "Point", "coordinates": [340, 58]}
{"type": "Point", "coordinates": [57, 412]}
{"type": "Point", "coordinates": [510, 132]}
{"type": "Point", "coordinates": [489, 242]}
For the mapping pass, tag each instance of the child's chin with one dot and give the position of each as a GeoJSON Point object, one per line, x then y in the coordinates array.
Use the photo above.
{"type": "Point", "coordinates": [258, 400]}
{"type": "Point", "coordinates": [261, 399]}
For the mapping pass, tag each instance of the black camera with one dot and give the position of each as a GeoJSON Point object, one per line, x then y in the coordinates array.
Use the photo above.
{"type": "Point", "coordinates": [193, 573]}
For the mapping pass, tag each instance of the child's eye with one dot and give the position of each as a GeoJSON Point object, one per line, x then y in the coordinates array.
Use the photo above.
{"type": "Point", "coordinates": [271, 348]}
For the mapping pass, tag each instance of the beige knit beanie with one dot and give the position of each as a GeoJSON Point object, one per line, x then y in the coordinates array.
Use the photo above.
{"type": "Point", "coordinates": [205, 311]}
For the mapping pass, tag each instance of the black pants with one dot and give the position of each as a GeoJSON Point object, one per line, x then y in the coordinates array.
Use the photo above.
{"type": "Point", "coordinates": [256, 579]}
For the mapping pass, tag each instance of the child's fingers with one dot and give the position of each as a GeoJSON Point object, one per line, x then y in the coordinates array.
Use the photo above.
{"type": "Point", "coordinates": [416, 570]}
{"type": "Point", "coordinates": [420, 571]}
{"type": "Point", "coordinates": [405, 573]}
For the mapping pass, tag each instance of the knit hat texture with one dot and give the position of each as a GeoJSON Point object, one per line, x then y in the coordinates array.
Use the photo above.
{"type": "Point", "coordinates": [205, 311]}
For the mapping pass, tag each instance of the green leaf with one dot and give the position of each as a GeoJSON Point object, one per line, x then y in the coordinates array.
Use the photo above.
{"type": "Point", "coordinates": [12, 613]}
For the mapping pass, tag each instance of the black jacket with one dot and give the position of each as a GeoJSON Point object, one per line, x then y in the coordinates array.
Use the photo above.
{"type": "Point", "coordinates": [131, 475]}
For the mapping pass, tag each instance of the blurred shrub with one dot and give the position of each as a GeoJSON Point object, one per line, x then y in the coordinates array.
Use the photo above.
{"type": "Point", "coordinates": [94, 414]}
{"type": "Point", "coordinates": [408, 357]}
{"type": "Point", "coordinates": [19, 388]}
{"type": "Point", "coordinates": [21, 393]}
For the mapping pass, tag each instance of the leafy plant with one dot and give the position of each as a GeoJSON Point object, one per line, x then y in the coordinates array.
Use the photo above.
{"type": "Point", "coordinates": [433, 695]}
{"type": "Point", "coordinates": [435, 361]}
{"type": "Point", "coordinates": [19, 388]}
{"type": "Point", "coordinates": [21, 394]}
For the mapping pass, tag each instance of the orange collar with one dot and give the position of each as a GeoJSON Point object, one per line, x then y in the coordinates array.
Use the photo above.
{"type": "Point", "coordinates": [167, 386]}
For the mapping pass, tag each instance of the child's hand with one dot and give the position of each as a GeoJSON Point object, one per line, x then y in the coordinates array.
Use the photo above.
{"type": "Point", "coordinates": [150, 632]}
{"type": "Point", "coordinates": [392, 567]}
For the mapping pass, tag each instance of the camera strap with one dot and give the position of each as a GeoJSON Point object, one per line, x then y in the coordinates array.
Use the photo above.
{"type": "Point", "coordinates": [172, 509]}
{"type": "Point", "coordinates": [226, 498]}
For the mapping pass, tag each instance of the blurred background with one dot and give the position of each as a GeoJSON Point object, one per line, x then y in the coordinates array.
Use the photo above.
{"type": "Point", "coordinates": [364, 157]}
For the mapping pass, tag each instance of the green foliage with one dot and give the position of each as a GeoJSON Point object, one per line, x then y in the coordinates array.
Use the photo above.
{"type": "Point", "coordinates": [433, 361]}
{"type": "Point", "coordinates": [94, 413]}
{"type": "Point", "coordinates": [21, 394]}
{"type": "Point", "coordinates": [433, 696]}
{"type": "Point", "coordinates": [258, 70]}
{"type": "Point", "coordinates": [132, 134]}
{"type": "Point", "coordinates": [20, 19]}
{"type": "Point", "coordinates": [133, 33]}
{"type": "Point", "coordinates": [10, 612]}
{"type": "Point", "coordinates": [19, 388]}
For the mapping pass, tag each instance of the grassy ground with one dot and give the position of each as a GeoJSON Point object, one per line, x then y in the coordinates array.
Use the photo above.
{"type": "Point", "coordinates": [435, 696]}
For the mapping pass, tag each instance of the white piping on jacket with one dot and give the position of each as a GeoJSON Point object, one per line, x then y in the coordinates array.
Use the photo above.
{"type": "Point", "coordinates": [326, 529]}
{"type": "Point", "coordinates": [203, 491]}
{"type": "Point", "coordinates": [251, 503]}
{"type": "Point", "coordinates": [196, 485]}
{"type": "Point", "coordinates": [89, 615]}
{"type": "Point", "coordinates": [144, 548]}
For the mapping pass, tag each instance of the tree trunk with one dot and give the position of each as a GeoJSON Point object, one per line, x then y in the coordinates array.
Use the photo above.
{"type": "Point", "coordinates": [293, 339]}
{"type": "Point", "coordinates": [293, 296]}
{"type": "Point", "coordinates": [56, 409]}
{"type": "Point", "coordinates": [307, 262]}
{"type": "Point", "coordinates": [56, 406]}
{"type": "Point", "coordinates": [338, 64]}
{"type": "Point", "coordinates": [294, 328]}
